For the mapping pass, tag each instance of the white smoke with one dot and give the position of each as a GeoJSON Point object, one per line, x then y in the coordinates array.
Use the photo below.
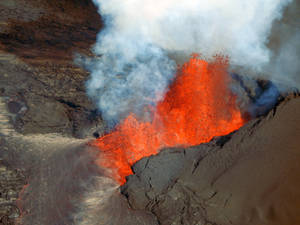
{"type": "Point", "coordinates": [134, 66]}
{"type": "Point", "coordinates": [130, 75]}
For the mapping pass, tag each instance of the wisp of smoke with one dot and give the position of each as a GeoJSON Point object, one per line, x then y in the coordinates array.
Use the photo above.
{"type": "Point", "coordinates": [135, 69]}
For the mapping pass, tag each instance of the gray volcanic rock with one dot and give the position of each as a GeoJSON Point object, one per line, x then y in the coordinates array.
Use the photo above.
{"type": "Point", "coordinates": [11, 183]}
{"type": "Point", "coordinates": [253, 177]}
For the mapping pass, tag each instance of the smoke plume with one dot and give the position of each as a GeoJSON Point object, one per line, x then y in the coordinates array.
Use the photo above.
{"type": "Point", "coordinates": [142, 37]}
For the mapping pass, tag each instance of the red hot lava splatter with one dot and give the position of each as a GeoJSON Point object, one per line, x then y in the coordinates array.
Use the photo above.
{"type": "Point", "coordinates": [198, 106]}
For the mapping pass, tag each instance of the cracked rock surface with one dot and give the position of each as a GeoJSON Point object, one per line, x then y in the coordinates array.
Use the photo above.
{"type": "Point", "coordinates": [253, 178]}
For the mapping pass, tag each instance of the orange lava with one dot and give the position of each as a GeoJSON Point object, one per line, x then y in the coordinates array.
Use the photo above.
{"type": "Point", "coordinates": [198, 106]}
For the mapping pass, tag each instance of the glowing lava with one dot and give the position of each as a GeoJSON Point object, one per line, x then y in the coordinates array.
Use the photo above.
{"type": "Point", "coordinates": [198, 106]}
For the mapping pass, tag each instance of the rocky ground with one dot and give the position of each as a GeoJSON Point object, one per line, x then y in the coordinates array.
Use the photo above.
{"type": "Point", "coordinates": [39, 83]}
{"type": "Point", "coordinates": [249, 177]}
{"type": "Point", "coordinates": [38, 44]}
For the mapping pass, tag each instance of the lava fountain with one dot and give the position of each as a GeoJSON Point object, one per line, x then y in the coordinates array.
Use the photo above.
{"type": "Point", "coordinates": [198, 106]}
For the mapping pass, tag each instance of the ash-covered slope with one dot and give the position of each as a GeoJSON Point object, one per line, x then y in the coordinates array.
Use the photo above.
{"type": "Point", "coordinates": [50, 179]}
{"type": "Point", "coordinates": [249, 177]}
{"type": "Point", "coordinates": [40, 85]}
{"type": "Point", "coordinates": [38, 42]}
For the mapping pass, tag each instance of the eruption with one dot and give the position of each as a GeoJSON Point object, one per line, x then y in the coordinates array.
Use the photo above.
{"type": "Point", "coordinates": [198, 106]}
{"type": "Point", "coordinates": [139, 49]}
{"type": "Point", "coordinates": [141, 39]}
{"type": "Point", "coordinates": [152, 92]}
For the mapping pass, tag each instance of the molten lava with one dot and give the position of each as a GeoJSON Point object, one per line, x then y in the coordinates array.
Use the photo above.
{"type": "Point", "coordinates": [198, 106]}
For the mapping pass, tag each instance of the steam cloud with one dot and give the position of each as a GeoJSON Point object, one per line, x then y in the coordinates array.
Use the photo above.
{"type": "Point", "coordinates": [141, 36]}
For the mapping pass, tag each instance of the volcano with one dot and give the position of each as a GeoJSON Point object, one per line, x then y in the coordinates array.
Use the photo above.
{"type": "Point", "coordinates": [198, 106]}
{"type": "Point", "coordinates": [107, 118]}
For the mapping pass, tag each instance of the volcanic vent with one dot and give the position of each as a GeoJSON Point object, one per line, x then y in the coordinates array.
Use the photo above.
{"type": "Point", "coordinates": [136, 85]}
{"type": "Point", "coordinates": [198, 106]}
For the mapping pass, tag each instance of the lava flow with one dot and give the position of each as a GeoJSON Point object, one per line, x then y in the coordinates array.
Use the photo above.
{"type": "Point", "coordinates": [198, 106]}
